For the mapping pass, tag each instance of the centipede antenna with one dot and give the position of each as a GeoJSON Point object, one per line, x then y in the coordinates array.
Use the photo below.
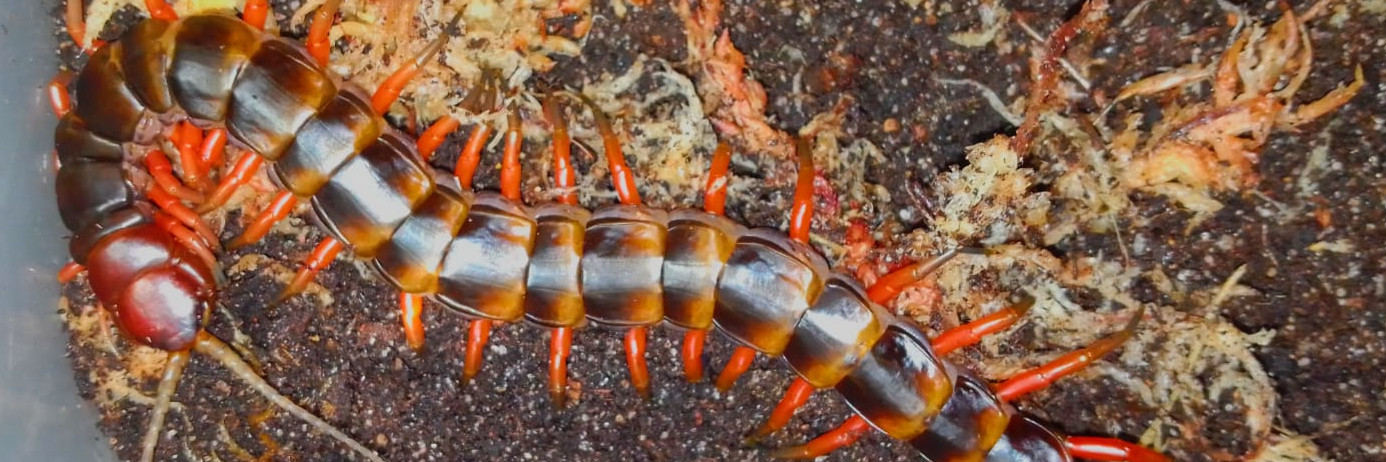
{"type": "Point", "coordinates": [168, 385]}
{"type": "Point", "coordinates": [1040, 377]}
{"type": "Point", "coordinates": [209, 345]}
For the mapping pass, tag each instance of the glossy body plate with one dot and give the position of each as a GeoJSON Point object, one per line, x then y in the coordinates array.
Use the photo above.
{"type": "Point", "coordinates": [623, 256]}
{"type": "Point", "coordinates": [696, 249]}
{"type": "Point", "coordinates": [414, 254]}
{"type": "Point", "coordinates": [553, 295]}
{"type": "Point", "coordinates": [279, 89]}
{"type": "Point", "coordinates": [208, 55]}
{"type": "Point", "coordinates": [344, 128]}
{"type": "Point", "coordinates": [373, 193]}
{"type": "Point", "coordinates": [104, 103]}
{"type": "Point", "coordinates": [1027, 441]}
{"type": "Point", "coordinates": [145, 56]}
{"type": "Point", "coordinates": [483, 273]}
{"type": "Point", "coordinates": [900, 385]}
{"type": "Point", "coordinates": [835, 334]}
{"type": "Point", "coordinates": [767, 285]}
{"type": "Point", "coordinates": [970, 424]}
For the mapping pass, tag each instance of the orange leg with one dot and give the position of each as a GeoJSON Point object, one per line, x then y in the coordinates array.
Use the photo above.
{"type": "Point", "coordinates": [564, 175]}
{"type": "Point", "coordinates": [186, 237]}
{"type": "Point", "coordinates": [842, 436]}
{"type": "Point", "coordinates": [390, 90]}
{"type": "Point", "coordinates": [887, 287]}
{"type": "Point", "coordinates": [213, 151]}
{"type": "Point", "coordinates": [188, 139]}
{"type": "Point", "coordinates": [972, 332]}
{"type": "Point", "coordinates": [635, 360]}
{"type": "Point", "coordinates": [278, 208]}
{"type": "Point", "coordinates": [693, 342]}
{"type": "Point", "coordinates": [471, 155]}
{"type": "Point", "coordinates": [621, 176]}
{"type": "Point", "coordinates": [323, 254]}
{"type": "Point", "coordinates": [1040, 377]}
{"type": "Point", "coordinates": [76, 21]}
{"type": "Point", "coordinates": [510, 163]}
{"type": "Point", "coordinates": [714, 202]}
{"type": "Point", "coordinates": [184, 215]}
{"type": "Point", "coordinates": [247, 165]}
{"type": "Point", "coordinates": [162, 171]}
{"type": "Point", "coordinates": [318, 32]}
{"type": "Point", "coordinates": [159, 9]}
{"type": "Point", "coordinates": [70, 272]}
{"type": "Point", "coordinates": [479, 333]}
{"type": "Point", "coordinates": [58, 98]}
{"type": "Point", "coordinates": [255, 13]}
{"type": "Point", "coordinates": [794, 398]}
{"type": "Point", "coordinates": [560, 347]}
{"type": "Point", "coordinates": [434, 136]}
{"type": "Point", "coordinates": [411, 312]}
{"type": "Point", "coordinates": [740, 361]}
{"type": "Point", "coordinates": [1110, 449]}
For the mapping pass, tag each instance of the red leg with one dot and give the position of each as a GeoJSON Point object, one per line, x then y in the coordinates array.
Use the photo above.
{"type": "Point", "coordinates": [159, 9]}
{"type": "Point", "coordinates": [187, 238]}
{"type": "Point", "coordinates": [255, 13]}
{"type": "Point", "coordinates": [70, 272]}
{"type": "Point", "coordinates": [1040, 377]}
{"type": "Point", "coordinates": [564, 175]}
{"type": "Point", "coordinates": [1110, 449]}
{"type": "Point", "coordinates": [278, 208]}
{"type": "Point", "coordinates": [693, 342]}
{"type": "Point", "coordinates": [411, 312]}
{"type": "Point", "coordinates": [188, 138]}
{"type": "Point", "coordinates": [621, 176]}
{"type": "Point", "coordinates": [76, 22]}
{"type": "Point", "coordinates": [162, 171]}
{"type": "Point", "coordinates": [322, 256]}
{"type": "Point", "coordinates": [390, 90]}
{"type": "Point", "coordinates": [213, 151]}
{"type": "Point", "coordinates": [740, 361]}
{"type": "Point", "coordinates": [247, 165]}
{"type": "Point", "coordinates": [431, 138]}
{"type": "Point", "coordinates": [58, 98]}
{"type": "Point", "coordinates": [842, 436]}
{"type": "Point", "coordinates": [471, 155]}
{"type": "Point", "coordinates": [801, 215]}
{"type": "Point", "coordinates": [635, 359]}
{"type": "Point", "coordinates": [560, 346]}
{"type": "Point", "coordinates": [185, 215]}
{"type": "Point", "coordinates": [715, 192]}
{"type": "Point", "coordinates": [510, 163]}
{"type": "Point", "coordinates": [480, 333]}
{"type": "Point", "coordinates": [972, 332]}
{"type": "Point", "coordinates": [794, 398]}
{"type": "Point", "coordinates": [318, 32]}
{"type": "Point", "coordinates": [887, 287]}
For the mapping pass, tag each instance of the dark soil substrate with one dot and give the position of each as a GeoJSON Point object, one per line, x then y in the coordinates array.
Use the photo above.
{"type": "Point", "coordinates": [347, 361]}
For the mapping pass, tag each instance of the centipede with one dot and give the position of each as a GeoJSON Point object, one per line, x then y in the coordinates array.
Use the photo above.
{"type": "Point", "coordinates": [202, 82]}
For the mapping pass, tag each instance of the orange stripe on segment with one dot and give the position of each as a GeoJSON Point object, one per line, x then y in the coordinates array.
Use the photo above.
{"type": "Point", "coordinates": [159, 9]}
{"type": "Point", "coordinates": [255, 13]}
{"type": "Point", "coordinates": [635, 360]}
{"type": "Point", "coordinates": [1040, 377]}
{"type": "Point", "coordinates": [278, 208]}
{"type": "Point", "coordinates": [560, 347]}
{"type": "Point", "coordinates": [183, 214]}
{"type": "Point", "coordinates": [842, 436]}
{"type": "Point", "coordinates": [739, 363]}
{"type": "Point", "coordinates": [247, 165]}
{"type": "Point", "coordinates": [317, 42]}
{"type": "Point", "coordinates": [479, 332]}
{"type": "Point", "coordinates": [70, 272]}
{"type": "Point", "coordinates": [510, 163]}
{"type": "Point", "coordinates": [794, 398]}
{"type": "Point", "coordinates": [162, 171]}
{"type": "Point", "coordinates": [801, 215]}
{"type": "Point", "coordinates": [693, 342]}
{"type": "Point", "coordinates": [433, 137]}
{"type": "Point", "coordinates": [322, 256]}
{"type": "Point", "coordinates": [467, 161]}
{"type": "Point", "coordinates": [715, 192]}
{"type": "Point", "coordinates": [1110, 449]}
{"type": "Point", "coordinates": [411, 313]}
{"type": "Point", "coordinates": [972, 332]}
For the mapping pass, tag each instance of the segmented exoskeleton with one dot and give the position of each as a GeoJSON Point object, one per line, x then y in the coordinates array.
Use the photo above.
{"type": "Point", "coordinates": [490, 257]}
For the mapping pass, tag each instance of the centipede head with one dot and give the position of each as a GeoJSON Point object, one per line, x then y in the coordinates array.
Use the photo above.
{"type": "Point", "coordinates": [162, 292]}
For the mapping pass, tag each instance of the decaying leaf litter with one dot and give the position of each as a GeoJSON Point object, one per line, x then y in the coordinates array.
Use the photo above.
{"type": "Point", "coordinates": [1156, 174]}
